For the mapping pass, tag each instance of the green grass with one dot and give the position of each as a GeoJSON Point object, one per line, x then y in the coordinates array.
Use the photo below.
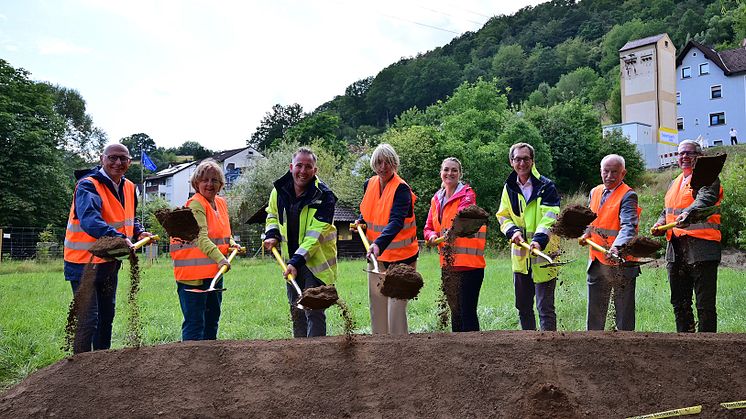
{"type": "Point", "coordinates": [34, 298]}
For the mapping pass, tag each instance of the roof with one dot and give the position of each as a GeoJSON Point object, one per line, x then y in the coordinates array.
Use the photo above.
{"type": "Point", "coordinates": [341, 214]}
{"type": "Point", "coordinates": [223, 155]}
{"type": "Point", "coordinates": [170, 171]}
{"type": "Point", "coordinates": [642, 42]}
{"type": "Point", "coordinates": [730, 61]}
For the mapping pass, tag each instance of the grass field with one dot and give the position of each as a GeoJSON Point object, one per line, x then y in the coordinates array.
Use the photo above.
{"type": "Point", "coordinates": [34, 299]}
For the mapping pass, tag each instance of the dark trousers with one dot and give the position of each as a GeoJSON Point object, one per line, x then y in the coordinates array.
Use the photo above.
{"type": "Point", "coordinates": [201, 310]}
{"type": "Point", "coordinates": [700, 279]}
{"type": "Point", "coordinates": [306, 323]}
{"type": "Point", "coordinates": [464, 316]}
{"type": "Point", "coordinates": [733, 141]}
{"type": "Point", "coordinates": [525, 290]}
{"type": "Point", "coordinates": [602, 279]}
{"type": "Point", "coordinates": [94, 325]}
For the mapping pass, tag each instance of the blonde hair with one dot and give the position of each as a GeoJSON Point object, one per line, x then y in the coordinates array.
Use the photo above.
{"type": "Point", "coordinates": [202, 169]}
{"type": "Point", "coordinates": [384, 153]}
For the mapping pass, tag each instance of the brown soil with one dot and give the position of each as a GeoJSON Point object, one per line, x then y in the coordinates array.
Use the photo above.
{"type": "Point", "coordinates": [179, 223]}
{"type": "Point", "coordinates": [79, 305]}
{"type": "Point", "coordinates": [469, 220]}
{"type": "Point", "coordinates": [134, 328]}
{"type": "Point", "coordinates": [348, 321]}
{"type": "Point", "coordinates": [640, 247]}
{"type": "Point", "coordinates": [572, 221]}
{"type": "Point", "coordinates": [110, 247]}
{"type": "Point", "coordinates": [319, 298]}
{"type": "Point", "coordinates": [505, 374]}
{"type": "Point", "coordinates": [401, 281]}
{"type": "Point", "coordinates": [706, 170]}
{"type": "Point", "coordinates": [450, 286]}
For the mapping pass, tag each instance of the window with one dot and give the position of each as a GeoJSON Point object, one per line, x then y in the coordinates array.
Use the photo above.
{"type": "Point", "coordinates": [678, 98]}
{"type": "Point", "coordinates": [704, 69]}
{"type": "Point", "coordinates": [680, 124]}
{"type": "Point", "coordinates": [716, 91]}
{"type": "Point", "coordinates": [717, 118]}
{"type": "Point", "coordinates": [686, 72]}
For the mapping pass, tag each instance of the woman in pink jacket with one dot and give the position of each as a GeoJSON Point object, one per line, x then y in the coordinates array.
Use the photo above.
{"type": "Point", "coordinates": [467, 270]}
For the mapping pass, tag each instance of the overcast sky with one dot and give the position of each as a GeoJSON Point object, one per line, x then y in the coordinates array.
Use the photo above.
{"type": "Point", "coordinates": [209, 70]}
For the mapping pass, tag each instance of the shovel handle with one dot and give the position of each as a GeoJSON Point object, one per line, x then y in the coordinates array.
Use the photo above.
{"type": "Point", "coordinates": [663, 227]}
{"type": "Point", "coordinates": [222, 270]}
{"type": "Point", "coordinates": [366, 243]}
{"type": "Point", "coordinates": [536, 252]}
{"type": "Point", "coordinates": [439, 240]}
{"type": "Point", "coordinates": [145, 240]}
{"type": "Point", "coordinates": [603, 250]}
{"type": "Point", "coordinates": [290, 279]}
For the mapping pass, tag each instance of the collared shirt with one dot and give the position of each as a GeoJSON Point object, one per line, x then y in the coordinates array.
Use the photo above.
{"type": "Point", "coordinates": [526, 188]}
{"type": "Point", "coordinates": [116, 185]}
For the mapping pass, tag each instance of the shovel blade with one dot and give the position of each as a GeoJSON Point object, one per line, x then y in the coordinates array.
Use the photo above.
{"type": "Point", "coordinates": [555, 264]}
{"type": "Point", "coordinates": [207, 290]}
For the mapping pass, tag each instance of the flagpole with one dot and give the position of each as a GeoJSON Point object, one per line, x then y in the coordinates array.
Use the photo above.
{"type": "Point", "coordinates": [142, 182]}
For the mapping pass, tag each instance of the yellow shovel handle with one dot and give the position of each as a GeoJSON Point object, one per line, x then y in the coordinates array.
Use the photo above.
{"type": "Point", "coordinates": [144, 241]}
{"type": "Point", "coordinates": [536, 252]}
{"type": "Point", "coordinates": [366, 243]}
{"type": "Point", "coordinates": [282, 263]}
{"type": "Point", "coordinates": [224, 268]}
{"type": "Point", "coordinates": [671, 413]}
{"type": "Point", "coordinates": [664, 227]}
{"type": "Point", "coordinates": [439, 240]}
{"type": "Point", "coordinates": [734, 405]}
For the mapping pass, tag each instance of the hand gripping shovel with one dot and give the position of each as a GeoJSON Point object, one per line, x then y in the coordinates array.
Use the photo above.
{"type": "Point", "coordinates": [217, 276]}
{"type": "Point", "coordinates": [695, 216]}
{"type": "Point", "coordinates": [615, 258]}
{"type": "Point", "coordinates": [290, 279]}
{"type": "Point", "coordinates": [116, 248]}
{"type": "Point", "coordinates": [550, 262]}
{"type": "Point", "coordinates": [366, 243]}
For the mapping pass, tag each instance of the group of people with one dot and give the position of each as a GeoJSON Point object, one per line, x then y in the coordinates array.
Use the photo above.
{"type": "Point", "coordinates": [300, 220]}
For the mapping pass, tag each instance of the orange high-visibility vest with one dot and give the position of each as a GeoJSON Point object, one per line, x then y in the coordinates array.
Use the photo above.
{"type": "Point", "coordinates": [467, 251]}
{"type": "Point", "coordinates": [605, 227]}
{"type": "Point", "coordinates": [680, 197]}
{"type": "Point", "coordinates": [376, 208]}
{"type": "Point", "coordinates": [189, 262]}
{"type": "Point", "coordinates": [77, 241]}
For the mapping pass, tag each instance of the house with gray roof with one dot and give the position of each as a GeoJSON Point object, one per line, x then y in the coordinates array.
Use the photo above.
{"type": "Point", "coordinates": [710, 93]}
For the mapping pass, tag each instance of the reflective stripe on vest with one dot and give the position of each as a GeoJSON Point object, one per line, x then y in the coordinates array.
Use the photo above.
{"type": "Point", "coordinates": [190, 263]}
{"type": "Point", "coordinates": [467, 251]}
{"type": "Point", "coordinates": [605, 227]}
{"type": "Point", "coordinates": [122, 219]}
{"type": "Point", "coordinates": [376, 208]}
{"type": "Point", "coordinates": [679, 198]}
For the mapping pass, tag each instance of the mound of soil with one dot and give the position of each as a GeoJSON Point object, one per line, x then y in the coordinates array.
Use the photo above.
{"type": "Point", "coordinates": [401, 281]}
{"type": "Point", "coordinates": [640, 247]}
{"type": "Point", "coordinates": [572, 221]}
{"type": "Point", "coordinates": [318, 298]}
{"type": "Point", "coordinates": [469, 220]}
{"type": "Point", "coordinates": [108, 247]}
{"type": "Point", "coordinates": [706, 170]}
{"type": "Point", "coordinates": [179, 223]}
{"type": "Point", "coordinates": [488, 374]}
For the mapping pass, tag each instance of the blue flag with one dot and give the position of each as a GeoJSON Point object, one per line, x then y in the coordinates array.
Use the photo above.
{"type": "Point", "coordinates": [147, 163]}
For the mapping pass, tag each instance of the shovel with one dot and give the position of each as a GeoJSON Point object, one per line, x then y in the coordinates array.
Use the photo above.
{"type": "Point", "coordinates": [695, 216]}
{"type": "Point", "coordinates": [123, 252]}
{"type": "Point", "coordinates": [550, 262]}
{"type": "Point", "coordinates": [290, 279]}
{"type": "Point", "coordinates": [615, 258]}
{"type": "Point", "coordinates": [217, 276]}
{"type": "Point", "coordinates": [366, 243]}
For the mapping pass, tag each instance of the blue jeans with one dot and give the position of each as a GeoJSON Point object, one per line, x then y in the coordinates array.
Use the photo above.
{"type": "Point", "coordinates": [95, 324]}
{"type": "Point", "coordinates": [525, 290]}
{"type": "Point", "coordinates": [201, 310]}
{"type": "Point", "coordinates": [306, 323]}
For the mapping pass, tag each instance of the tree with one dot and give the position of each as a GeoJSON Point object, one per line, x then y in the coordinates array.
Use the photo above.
{"type": "Point", "coordinates": [192, 148]}
{"type": "Point", "coordinates": [138, 142]}
{"type": "Point", "coordinates": [322, 127]}
{"type": "Point", "coordinates": [508, 66]}
{"type": "Point", "coordinates": [274, 125]}
{"type": "Point", "coordinates": [34, 188]}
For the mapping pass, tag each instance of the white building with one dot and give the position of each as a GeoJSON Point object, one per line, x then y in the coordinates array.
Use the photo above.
{"type": "Point", "coordinates": [173, 185]}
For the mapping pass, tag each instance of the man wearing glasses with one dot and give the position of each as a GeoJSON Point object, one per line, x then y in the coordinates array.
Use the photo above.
{"type": "Point", "coordinates": [104, 204]}
{"type": "Point", "coordinates": [693, 252]}
{"type": "Point", "coordinates": [528, 209]}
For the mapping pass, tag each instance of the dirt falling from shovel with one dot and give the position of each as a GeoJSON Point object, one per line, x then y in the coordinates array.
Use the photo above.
{"type": "Point", "coordinates": [572, 221]}
{"type": "Point", "coordinates": [449, 285]}
{"type": "Point", "coordinates": [179, 223]}
{"type": "Point", "coordinates": [109, 246]}
{"type": "Point", "coordinates": [79, 305]}
{"type": "Point", "coordinates": [640, 247]}
{"type": "Point", "coordinates": [469, 220]}
{"type": "Point", "coordinates": [401, 281]}
{"type": "Point", "coordinates": [134, 328]}
{"type": "Point", "coordinates": [348, 321]}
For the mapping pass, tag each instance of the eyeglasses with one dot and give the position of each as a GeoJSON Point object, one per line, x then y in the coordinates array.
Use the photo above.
{"type": "Point", "coordinates": [123, 159]}
{"type": "Point", "coordinates": [688, 153]}
{"type": "Point", "coordinates": [522, 159]}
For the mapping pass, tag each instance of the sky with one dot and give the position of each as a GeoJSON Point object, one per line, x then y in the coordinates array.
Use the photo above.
{"type": "Point", "coordinates": [209, 71]}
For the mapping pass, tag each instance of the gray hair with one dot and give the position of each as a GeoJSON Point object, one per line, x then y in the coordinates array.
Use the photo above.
{"type": "Point", "coordinates": [697, 146]}
{"type": "Point", "coordinates": [520, 145]}
{"type": "Point", "coordinates": [613, 157]}
{"type": "Point", "coordinates": [384, 153]}
{"type": "Point", "coordinates": [203, 168]}
{"type": "Point", "coordinates": [304, 150]}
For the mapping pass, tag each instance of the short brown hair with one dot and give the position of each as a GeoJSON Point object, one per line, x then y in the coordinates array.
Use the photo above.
{"type": "Point", "coordinates": [520, 145]}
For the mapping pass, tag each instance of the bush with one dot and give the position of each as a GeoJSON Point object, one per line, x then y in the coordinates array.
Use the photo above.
{"type": "Point", "coordinates": [733, 210]}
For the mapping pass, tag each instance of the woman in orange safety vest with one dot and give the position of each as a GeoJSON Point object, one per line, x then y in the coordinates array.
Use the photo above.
{"type": "Point", "coordinates": [466, 270]}
{"type": "Point", "coordinates": [197, 262]}
{"type": "Point", "coordinates": [387, 209]}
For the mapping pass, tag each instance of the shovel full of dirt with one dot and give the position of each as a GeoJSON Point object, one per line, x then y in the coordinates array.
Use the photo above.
{"type": "Point", "coordinates": [467, 222]}
{"type": "Point", "coordinates": [179, 223]}
{"type": "Point", "coordinates": [111, 247]}
{"type": "Point", "coordinates": [400, 281]}
{"type": "Point", "coordinates": [290, 278]}
{"type": "Point", "coordinates": [619, 259]}
{"type": "Point", "coordinates": [217, 276]}
{"type": "Point", "coordinates": [573, 221]}
{"type": "Point", "coordinates": [706, 171]}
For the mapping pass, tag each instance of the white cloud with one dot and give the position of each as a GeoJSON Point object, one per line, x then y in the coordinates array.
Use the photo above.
{"type": "Point", "coordinates": [56, 46]}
